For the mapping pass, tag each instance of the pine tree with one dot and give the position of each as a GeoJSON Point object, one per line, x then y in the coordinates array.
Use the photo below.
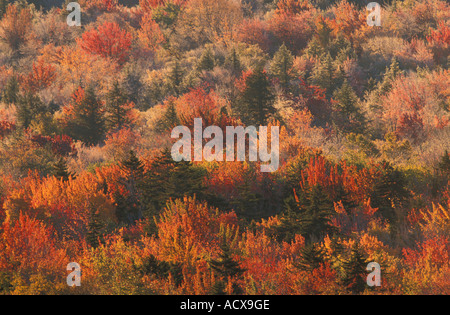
{"type": "Point", "coordinates": [175, 77]}
{"type": "Point", "coordinates": [29, 107]}
{"type": "Point", "coordinates": [255, 102]}
{"type": "Point", "coordinates": [354, 278]}
{"type": "Point", "coordinates": [318, 210]}
{"type": "Point", "coordinates": [248, 203]}
{"type": "Point", "coordinates": [226, 267]}
{"type": "Point", "coordinates": [233, 62]}
{"type": "Point", "coordinates": [11, 91]}
{"type": "Point", "coordinates": [281, 66]}
{"type": "Point", "coordinates": [161, 269]}
{"type": "Point", "coordinates": [170, 119]}
{"type": "Point", "coordinates": [94, 228]}
{"type": "Point", "coordinates": [116, 100]}
{"type": "Point", "coordinates": [61, 171]}
{"type": "Point", "coordinates": [129, 208]}
{"type": "Point", "coordinates": [206, 61]}
{"type": "Point", "coordinates": [88, 124]}
{"type": "Point", "coordinates": [133, 165]}
{"type": "Point", "coordinates": [444, 164]}
{"type": "Point", "coordinates": [308, 214]}
{"type": "Point", "coordinates": [323, 74]}
{"type": "Point", "coordinates": [169, 179]}
{"type": "Point", "coordinates": [314, 48]}
{"type": "Point", "coordinates": [388, 191]}
{"type": "Point", "coordinates": [389, 77]}
{"type": "Point", "coordinates": [311, 257]}
{"type": "Point", "coordinates": [218, 288]}
{"type": "Point", "coordinates": [348, 114]}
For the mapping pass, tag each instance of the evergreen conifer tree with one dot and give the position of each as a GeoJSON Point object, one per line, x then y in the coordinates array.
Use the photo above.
{"type": "Point", "coordinates": [218, 288]}
{"type": "Point", "coordinates": [175, 77]}
{"type": "Point", "coordinates": [116, 99]}
{"type": "Point", "coordinates": [389, 77]}
{"type": "Point", "coordinates": [348, 113]}
{"type": "Point", "coordinates": [129, 208]}
{"type": "Point", "coordinates": [94, 228]}
{"type": "Point", "coordinates": [29, 107]}
{"type": "Point", "coordinates": [311, 257]}
{"type": "Point", "coordinates": [233, 62]}
{"type": "Point", "coordinates": [206, 61]}
{"type": "Point", "coordinates": [226, 267]}
{"type": "Point", "coordinates": [169, 179]}
{"type": "Point", "coordinates": [281, 66]}
{"type": "Point", "coordinates": [323, 74]}
{"type": "Point", "coordinates": [3, 6]}
{"type": "Point", "coordinates": [170, 119]}
{"type": "Point", "coordinates": [389, 190]}
{"type": "Point", "coordinates": [444, 164]}
{"type": "Point", "coordinates": [354, 278]}
{"type": "Point", "coordinates": [61, 171]}
{"type": "Point", "coordinates": [89, 121]}
{"type": "Point", "coordinates": [11, 91]}
{"type": "Point", "coordinates": [133, 166]}
{"type": "Point", "coordinates": [255, 102]}
{"type": "Point", "coordinates": [309, 215]}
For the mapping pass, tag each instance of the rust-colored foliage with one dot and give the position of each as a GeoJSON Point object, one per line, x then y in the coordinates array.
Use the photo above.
{"type": "Point", "coordinates": [383, 186]}
{"type": "Point", "coordinates": [292, 6]}
{"type": "Point", "coordinates": [41, 77]}
{"type": "Point", "coordinates": [15, 27]}
{"type": "Point", "coordinates": [439, 40]}
{"type": "Point", "coordinates": [148, 5]}
{"type": "Point", "coordinates": [150, 34]}
{"type": "Point", "coordinates": [188, 229]}
{"type": "Point", "coordinates": [349, 22]}
{"type": "Point", "coordinates": [254, 32]}
{"type": "Point", "coordinates": [60, 145]}
{"type": "Point", "coordinates": [108, 41]}
{"type": "Point", "coordinates": [28, 246]}
{"type": "Point", "coordinates": [199, 103]}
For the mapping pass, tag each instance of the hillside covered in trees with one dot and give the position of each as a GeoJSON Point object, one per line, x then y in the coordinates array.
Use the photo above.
{"type": "Point", "coordinates": [87, 176]}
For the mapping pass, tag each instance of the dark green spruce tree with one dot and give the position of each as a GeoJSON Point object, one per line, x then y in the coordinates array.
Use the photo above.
{"type": "Point", "coordinates": [29, 107]}
{"type": "Point", "coordinates": [61, 171]}
{"type": "Point", "coordinates": [226, 267]}
{"type": "Point", "coordinates": [281, 67]}
{"type": "Point", "coordinates": [116, 99]}
{"type": "Point", "coordinates": [233, 63]}
{"type": "Point", "coordinates": [170, 119]}
{"type": "Point", "coordinates": [169, 179]}
{"type": "Point", "coordinates": [348, 116]}
{"type": "Point", "coordinates": [129, 208]}
{"type": "Point", "coordinates": [10, 93]}
{"type": "Point", "coordinates": [311, 257]}
{"type": "Point", "coordinates": [355, 275]}
{"type": "Point", "coordinates": [175, 78]}
{"type": "Point", "coordinates": [255, 102]}
{"type": "Point", "coordinates": [94, 236]}
{"type": "Point", "coordinates": [444, 163]}
{"type": "Point", "coordinates": [323, 74]}
{"type": "Point", "coordinates": [309, 216]}
{"type": "Point", "coordinates": [206, 61]}
{"type": "Point", "coordinates": [88, 124]}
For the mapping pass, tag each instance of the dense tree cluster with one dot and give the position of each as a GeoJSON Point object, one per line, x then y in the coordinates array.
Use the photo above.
{"type": "Point", "coordinates": [87, 176]}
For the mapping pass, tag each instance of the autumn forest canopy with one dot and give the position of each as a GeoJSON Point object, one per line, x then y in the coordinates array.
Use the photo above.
{"type": "Point", "coordinates": [87, 175]}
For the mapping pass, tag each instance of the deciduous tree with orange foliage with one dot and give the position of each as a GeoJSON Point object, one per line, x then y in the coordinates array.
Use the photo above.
{"type": "Point", "coordinates": [108, 41]}
{"type": "Point", "coordinates": [15, 27]}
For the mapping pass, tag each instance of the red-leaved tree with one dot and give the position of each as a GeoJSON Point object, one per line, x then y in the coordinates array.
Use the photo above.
{"type": "Point", "coordinates": [108, 41]}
